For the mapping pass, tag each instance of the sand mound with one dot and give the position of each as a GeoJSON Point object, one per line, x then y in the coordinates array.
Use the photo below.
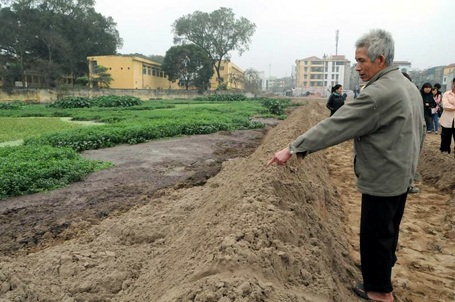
{"type": "Point", "coordinates": [251, 233]}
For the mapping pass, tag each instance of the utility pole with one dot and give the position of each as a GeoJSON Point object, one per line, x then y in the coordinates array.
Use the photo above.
{"type": "Point", "coordinates": [336, 40]}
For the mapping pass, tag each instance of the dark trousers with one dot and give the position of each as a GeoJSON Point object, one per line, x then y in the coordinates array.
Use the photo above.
{"type": "Point", "coordinates": [379, 229]}
{"type": "Point", "coordinates": [446, 138]}
{"type": "Point", "coordinates": [429, 121]}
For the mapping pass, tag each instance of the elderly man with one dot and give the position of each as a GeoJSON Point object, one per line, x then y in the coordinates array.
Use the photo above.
{"type": "Point", "coordinates": [387, 125]}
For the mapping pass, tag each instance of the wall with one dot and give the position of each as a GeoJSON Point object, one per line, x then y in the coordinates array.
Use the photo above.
{"type": "Point", "coordinates": [47, 95]}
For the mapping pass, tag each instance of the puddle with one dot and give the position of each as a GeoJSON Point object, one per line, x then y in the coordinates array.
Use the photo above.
{"type": "Point", "coordinates": [12, 143]}
{"type": "Point", "coordinates": [88, 123]}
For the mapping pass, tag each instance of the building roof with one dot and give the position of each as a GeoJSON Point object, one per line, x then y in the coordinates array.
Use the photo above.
{"type": "Point", "coordinates": [401, 63]}
{"type": "Point", "coordinates": [313, 58]}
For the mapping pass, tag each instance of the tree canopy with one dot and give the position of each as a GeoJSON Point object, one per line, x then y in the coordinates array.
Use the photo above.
{"type": "Point", "coordinates": [53, 38]}
{"type": "Point", "coordinates": [252, 81]}
{"type": "Point", "coordinates": [190, 65]}
{"type": "Point", "coordinates": [218, 33]}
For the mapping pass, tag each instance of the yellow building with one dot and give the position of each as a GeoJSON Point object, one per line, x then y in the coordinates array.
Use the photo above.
{"type": "Point", "coordinates": [131, 72]}
{"type": "Point", "coordinates": [231, 75]}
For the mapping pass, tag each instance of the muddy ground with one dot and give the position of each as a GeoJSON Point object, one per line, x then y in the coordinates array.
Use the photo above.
{"type": "Point", "coordinates": [202, 218]}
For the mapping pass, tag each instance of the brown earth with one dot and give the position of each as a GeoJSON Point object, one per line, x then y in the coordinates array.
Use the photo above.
{"type": "Point", "coordinates": [142, 230]}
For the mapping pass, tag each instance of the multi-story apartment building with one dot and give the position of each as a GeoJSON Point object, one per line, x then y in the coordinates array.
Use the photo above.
{"type": "Point", "coordinates": [319, 75]}
{"type": "Point", "coordinates": [131, 72]}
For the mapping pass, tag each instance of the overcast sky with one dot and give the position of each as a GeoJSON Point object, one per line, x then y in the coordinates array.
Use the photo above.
{"type": "Point", "coordinates": [287, 30]}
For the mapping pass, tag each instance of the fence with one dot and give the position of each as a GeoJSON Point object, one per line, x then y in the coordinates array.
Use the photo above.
{"type": "Point", "coordinates": [51, 95]}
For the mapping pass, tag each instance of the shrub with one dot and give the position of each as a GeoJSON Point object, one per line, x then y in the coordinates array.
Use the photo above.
{"type": "Point", "coordinates": [11, 105]}
{"type": "Point", "coordinates": [275, 106]}
{"type": "Point", "coordinates": [72, 102]}
{"type": "Point", "coordinates": [117, 101]}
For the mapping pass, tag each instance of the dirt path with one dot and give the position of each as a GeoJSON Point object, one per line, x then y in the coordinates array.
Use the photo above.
{"type": "Point", "coordinates": [250, 233]}
{"type": "Point", "coordinates": [426, 253]}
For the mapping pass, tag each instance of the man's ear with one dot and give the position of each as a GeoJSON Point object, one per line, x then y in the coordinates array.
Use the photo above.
{"type": "Point", "coordinates": [381, 60]}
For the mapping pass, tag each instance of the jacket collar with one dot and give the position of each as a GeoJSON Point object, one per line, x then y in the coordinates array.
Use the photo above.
{"type": "Point", "coordinates": [380, 74]}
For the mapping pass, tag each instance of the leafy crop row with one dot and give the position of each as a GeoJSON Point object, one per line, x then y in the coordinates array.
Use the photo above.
{"type": "Point", "coordinates": [102, 101]}
{"type": "Point", "coordinates": [32, 169]}
{"type": "Point", "coordinates": [103, 137]}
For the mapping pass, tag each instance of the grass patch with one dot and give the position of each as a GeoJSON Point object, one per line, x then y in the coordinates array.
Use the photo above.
{"type": "Point", "coordinates": [14, 129]}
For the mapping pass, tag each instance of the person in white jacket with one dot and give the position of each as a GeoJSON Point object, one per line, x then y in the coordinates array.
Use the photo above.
{"type": "Point", "coordinates": [447, 119]}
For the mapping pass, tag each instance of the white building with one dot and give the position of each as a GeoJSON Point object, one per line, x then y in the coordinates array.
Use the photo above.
{"type": "Point", "coordinates": [318, 76]}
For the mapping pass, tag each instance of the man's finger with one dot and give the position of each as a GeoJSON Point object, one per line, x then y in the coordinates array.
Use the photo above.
{"type": "Point", "coordinates": [271, 161]}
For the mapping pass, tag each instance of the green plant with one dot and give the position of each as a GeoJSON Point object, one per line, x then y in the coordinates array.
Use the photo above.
{"type": "Point", "coordinates": [11, 105]}
{"type": "Point", "coordinates": [72, 102]}
{"type": "Point", "coordinates": [275, 106]}
{"type": "Point", "coordinates": [32, 169]}
{"type": "Point", "coordinates": [116, 101]}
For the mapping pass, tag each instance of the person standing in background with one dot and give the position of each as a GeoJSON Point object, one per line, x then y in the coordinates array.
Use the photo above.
{"type": "Point", "coordinates": [435, 116]}
{"type": "Point", "coordinates": [428, 105]}
{"type": "Point", "coordinates": [437, 86]}
{"type": "Point", "coordinates": [447, 119]}
{"type": "Point", "coordinates": [387, 125]}
{"type": "Point", "coordinates": [336, 99]}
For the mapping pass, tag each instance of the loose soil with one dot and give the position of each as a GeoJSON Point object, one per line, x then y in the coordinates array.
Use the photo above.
{"type": "Point", "coordinates": [202, 218]}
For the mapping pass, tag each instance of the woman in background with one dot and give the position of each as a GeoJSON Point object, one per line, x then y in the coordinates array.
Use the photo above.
{"type": "Point", "coordinates": [428, 104]}
{"type": "Point", "coordinates": [437, 99]}
{"type": "Point", "coordinates": [447, 119]}
{"type": "Point", "coordinates": [336, 100]}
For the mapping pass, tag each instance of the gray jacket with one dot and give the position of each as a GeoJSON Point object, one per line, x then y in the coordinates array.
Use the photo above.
{"type": "Point", "coordinates": [387, 124]}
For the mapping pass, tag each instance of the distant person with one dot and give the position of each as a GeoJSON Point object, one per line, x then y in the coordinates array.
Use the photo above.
{"type": "Point", "coordinates": [428, 105]}
{"type": "Point", "coordinates": [407, 76]}
{"type": "Point", "coordinates": [437, 86]}
{"type": "Point", "coordinates": [447, 120]}
{"type": "Point", "coordinates": [356, 91]}
{"type": "Point", "coordinates": [387, 126]}
{"type": "Point", "coordinates": [435, 112]}
{"type": "Point", "coordinates": [336, 99]}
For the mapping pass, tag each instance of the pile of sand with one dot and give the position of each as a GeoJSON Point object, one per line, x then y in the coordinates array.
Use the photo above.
{"type": "Point", "coordinates": [251, 233]}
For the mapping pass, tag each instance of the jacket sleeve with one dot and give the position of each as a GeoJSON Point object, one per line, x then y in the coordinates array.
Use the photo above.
{"type": "Point", "coordinates": [356, 118]}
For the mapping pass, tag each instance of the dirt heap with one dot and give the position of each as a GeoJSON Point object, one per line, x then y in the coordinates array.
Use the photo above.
{"type": "Point", "coordinates": [251, 233]}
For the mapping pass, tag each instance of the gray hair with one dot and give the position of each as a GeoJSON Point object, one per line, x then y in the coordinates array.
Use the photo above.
{"type": "Point", "coordinates": [378, 42]}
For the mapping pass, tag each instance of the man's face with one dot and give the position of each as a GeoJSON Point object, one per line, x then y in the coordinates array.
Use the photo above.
{"type": "Point", "coordinates": [365, 67]}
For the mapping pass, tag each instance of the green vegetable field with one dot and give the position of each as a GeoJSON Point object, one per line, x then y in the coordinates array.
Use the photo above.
{"type": "Point", "coordinates": [53, 134]}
